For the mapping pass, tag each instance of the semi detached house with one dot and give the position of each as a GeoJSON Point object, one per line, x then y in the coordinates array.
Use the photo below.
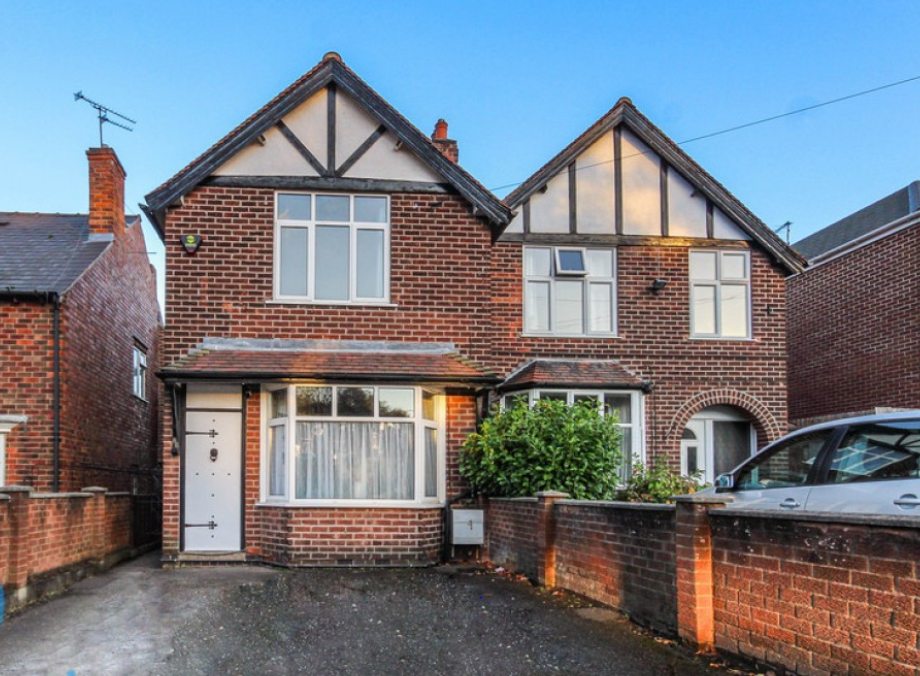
{"type": "Point", "coordinates": [345, 302]}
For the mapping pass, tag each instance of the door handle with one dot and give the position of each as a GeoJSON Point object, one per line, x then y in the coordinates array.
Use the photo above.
{"type": "Point", "coordinates": [908, 501]}
{"type": "Point", "coordinates": [790, 503]}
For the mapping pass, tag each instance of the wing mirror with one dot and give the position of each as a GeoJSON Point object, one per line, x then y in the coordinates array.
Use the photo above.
{"type": "Point", "coordinates": [725, 482]}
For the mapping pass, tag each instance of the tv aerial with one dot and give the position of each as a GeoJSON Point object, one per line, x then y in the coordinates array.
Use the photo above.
{"type": "Point", "coordinates": [104, 112]}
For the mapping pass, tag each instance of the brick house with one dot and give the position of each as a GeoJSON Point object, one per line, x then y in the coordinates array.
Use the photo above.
{"type": "Point", "coordinates": [345, 301]}
{"type": "Point", "coordinates": [78, 338]}
{"type": "Point", "coordinates": [854, 313]}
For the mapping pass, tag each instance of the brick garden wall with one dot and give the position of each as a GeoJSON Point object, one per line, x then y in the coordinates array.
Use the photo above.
{"type": "Point", "coordinates": [854, 330]}
{"type": "Point", "coordinates": [815, 594]}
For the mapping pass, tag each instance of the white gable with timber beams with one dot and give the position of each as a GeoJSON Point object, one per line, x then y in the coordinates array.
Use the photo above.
{"type": "Point", "coordinates": [299, 145]}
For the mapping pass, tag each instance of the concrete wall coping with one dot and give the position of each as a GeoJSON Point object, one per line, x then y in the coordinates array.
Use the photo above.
{"type": "Point", "coordinates": [882, 520]}
{"type": "Point", "coordinates": [534, 500]}
{"type": "Point", "coordinates": [705, 499]}
{"type": "Point", "coordinates": [613, 504]}
{"type": "Point", "coordinates": [94, 489]}
{"type": "Point", "coordinates": [52, 496]}
{"type": "Point", "coordinates": [4, 497]}
{"type": "Point", "coordinates": [16, 489]}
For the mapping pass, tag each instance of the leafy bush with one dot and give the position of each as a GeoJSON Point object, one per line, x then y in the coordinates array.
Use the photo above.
{"type": "Point", "coordinates": [520, 451]}
{"type": "Point", "coordinates": [658, 483]}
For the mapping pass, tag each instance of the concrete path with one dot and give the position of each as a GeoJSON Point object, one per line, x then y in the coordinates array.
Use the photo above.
{"type": "Point", "coordinates": [139, 620]}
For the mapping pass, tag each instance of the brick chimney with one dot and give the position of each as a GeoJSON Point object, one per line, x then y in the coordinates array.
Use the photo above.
{"type": "Point", "coordinates": [106, 192]}
{"type": "Point", "coordinates": [448, 147]}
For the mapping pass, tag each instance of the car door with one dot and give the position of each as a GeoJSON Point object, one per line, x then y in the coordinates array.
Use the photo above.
{"type": "Point", "coordinates": [875, 469]}
{"type": "Point", "coordinates": [780, 476]}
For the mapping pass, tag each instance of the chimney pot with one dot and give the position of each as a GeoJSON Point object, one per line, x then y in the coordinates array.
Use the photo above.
{"type": "Point", "coordinates": [448, 147]}
{"type": "Point", "coordinates": [440, 130]}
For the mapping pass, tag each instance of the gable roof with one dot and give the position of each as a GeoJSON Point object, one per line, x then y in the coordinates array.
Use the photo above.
{"type": "Point", "coordinates": [47, 253]}
{"type": "Point", "coordinates": [887, 210]}
{"type": "Point", "coordinates": [624, 112]}
{"type": "Point", "coordinates": [331, 70]}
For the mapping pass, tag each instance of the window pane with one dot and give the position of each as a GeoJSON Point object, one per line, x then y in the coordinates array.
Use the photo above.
{"type": "Point", "coordinates": [314, 401]}
{"type": "Point", "coordinates": [278, 407]}
{"type": "Point", "coordinates": [332, 208]}
{"type": "Point", "coordinates": [785, 465]}
{"type": "Point", "coordinates": [703, 265]}
{"type": "Point", "coordinates": [370, 263]}
{"type": "Point", "coordinates": [734, 310]}
{"type": "Point", "coordinates": [734, 266]}
{"type": "Point", "coordinates": [731, 445]}
{"type": "Point", "coordinates": [520, 399]}
{"type": "Point", "coordinates": [600, 263]}
{"type": "Point", "coordinates": [592, 399]}
{"type": "Point", "coordinates": [355, 460]}
{"type": "Point", "coordinates": [356, 401]}
{"type": "Point", "coordinates": [621, 404]}
{"type": "Point", "coordinates": [276, 460]}
{"type": "Point", "coordinates": [537, 262]}
{"type": "Point", "coordinates": [431, 462]}
{"type": "Point", "coordinates": [332, 263]}
{"type": "Point", "coordinates": [428, 405]}
{"type": "Point", "coordinates": [536, 316]}
{"type": "Point", "coordinates": [554, 396]}
{"type": "Point", "coordinates": [704, 310]}
{"type": "Point", "coordinates": [294, 207]}
{"type": "Point", "coordinates": [600, 307]}
{"type": "Point", "coordinates": [397, 402]}
{"type": "Point", "coordinates": [878, 452]}
{"type": "Point", "coordinates": [569, 307]}
{"type": "Point", "coordinates": [371, 209]}
{"type": "Point", "coordinates": [570, 260]}
{"type": "Point", "coordinates": [294, 259]}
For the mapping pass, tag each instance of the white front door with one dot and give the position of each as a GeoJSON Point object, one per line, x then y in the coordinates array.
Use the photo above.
{"type": "Point", "coordinates": [213, 480]}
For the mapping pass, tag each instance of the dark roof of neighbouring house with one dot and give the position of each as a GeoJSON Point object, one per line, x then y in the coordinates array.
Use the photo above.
{"type": "Point", "coordinates": [328, 71]}
{"type": "Point", "coordinates": [46, 253]}
{"type": "Point", "coordinates": [625, 112]}
{"type": "Point", "coordinates": [327, 360]}
{"type": "Point", "coordinates": [865, 221]}
{"type": "Point", "coordinates": [571, 373]}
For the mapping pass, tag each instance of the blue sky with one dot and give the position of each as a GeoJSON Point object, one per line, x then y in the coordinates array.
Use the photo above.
{"type": "Point", "coordinates": [517, 81]}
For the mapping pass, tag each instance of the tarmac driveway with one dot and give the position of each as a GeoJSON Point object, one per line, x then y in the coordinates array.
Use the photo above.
{"type": "Point", "coordinates": [140, 620]}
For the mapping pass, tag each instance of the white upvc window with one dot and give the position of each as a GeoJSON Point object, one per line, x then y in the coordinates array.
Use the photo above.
{"type": "Point", "coordinates": [720, 293]}
{"type": "Point", "coordinates": [628, 405]}
{"type": "Point", "coordinates": [337, 444]}
{"type": "Point", "coordinates": [332, 248]}
{"type": "Point", "coordinates": [569, 291]}
{"type": "Point", "coordinates": [139, 372]}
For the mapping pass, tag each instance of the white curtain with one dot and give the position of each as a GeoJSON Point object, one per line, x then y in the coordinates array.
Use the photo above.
{"type": "Point", "coordinates": [355, 460]}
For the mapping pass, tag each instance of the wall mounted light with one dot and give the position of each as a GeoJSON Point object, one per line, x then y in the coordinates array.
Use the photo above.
{"type": "Point", "coordinates": [658, 285]}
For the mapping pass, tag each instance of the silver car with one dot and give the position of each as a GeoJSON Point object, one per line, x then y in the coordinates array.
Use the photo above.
{"type": "Point", "coordinates": [868, 465]}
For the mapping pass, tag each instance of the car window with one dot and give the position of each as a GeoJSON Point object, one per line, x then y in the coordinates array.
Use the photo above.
{"type": "Point", "coordinates": [786, 464]}
{"type": "Point", "coordinates": [876, 452]}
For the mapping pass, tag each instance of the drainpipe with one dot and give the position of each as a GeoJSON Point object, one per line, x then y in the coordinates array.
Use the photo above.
{"type": "Point", "coordinates": [56, 404]}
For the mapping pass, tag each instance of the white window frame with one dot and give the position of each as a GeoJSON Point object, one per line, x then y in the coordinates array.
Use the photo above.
{"type": "Point", "coordinates": [7, 424]}
{"type": "Point", "coordinates": [717, 284]}
{"type": "Point", "coordinates": [586, 279]}
{"type": "Point", "coordinates": [707, 419]}
{"type": "Point", "coordinates": [139, 372]}
{"type": "Point", "coordinates": [290, 421]}
{"type": "Point", "coordinates": [310, 226]}
{"type": "Point", "coordinates": [561, 271]}
{"type": "Point", "coordinates": [636, 406]}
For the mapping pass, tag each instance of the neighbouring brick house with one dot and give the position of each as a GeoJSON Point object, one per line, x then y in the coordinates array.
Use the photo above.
{"type": "Point", "coordinates": [854, 313]}
{"type": "Point", "coordinates": [80, 323]}
{"type": "Point", "coordinates": [345, 301]}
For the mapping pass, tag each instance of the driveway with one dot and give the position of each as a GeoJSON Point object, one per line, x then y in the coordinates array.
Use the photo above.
{"type": "Point", "coordinates": [140, 620]}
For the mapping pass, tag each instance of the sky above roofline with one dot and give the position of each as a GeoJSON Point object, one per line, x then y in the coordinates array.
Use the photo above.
{"type": "Point", "coordinates": [516, 81]}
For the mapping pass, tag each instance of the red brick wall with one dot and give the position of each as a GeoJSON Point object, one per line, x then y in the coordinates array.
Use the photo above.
{"type": "Point", "coordinates": [818, 596]}
{"type": "Point", "coordinates": [654, 342]}
{"type": "Point", "coordinates": [26, 349]}
{"type": "Point", "coordinates": [621, 555]}
{"type": "Point", "coordinates": [854, 330]}
{"type": "Point", "coordinates": [106, 432]}
{"type": "Point", "coordinates": [511, 534]}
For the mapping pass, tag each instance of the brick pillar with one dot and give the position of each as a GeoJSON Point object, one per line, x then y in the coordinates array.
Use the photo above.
{"type": "Point", "coordinates": [96, 515]}
{"type": "Point", "coordinates": [695, 619]}
{"type": "Point", "coordinates": [546, 537]}
{"type": "Point", "coordinates": [20, 547]}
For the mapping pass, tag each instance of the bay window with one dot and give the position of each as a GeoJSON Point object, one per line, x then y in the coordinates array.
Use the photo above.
{"type": "Point", "coordinates": [332, 248]}
{"type": "Point", "coordinates": [569, 291]}
{"type": "Point", "coordinates": [333, 444]}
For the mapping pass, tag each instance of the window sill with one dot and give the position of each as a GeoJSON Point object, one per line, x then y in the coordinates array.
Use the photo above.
{"type": "Point", "coordinates": [566, 336]}
{"type": "Point", "coordinates": [723, 339]}
{"type": "Point", "coordinates": [350, 504]}
{"type": "Point", "coordinates": [331, 303]}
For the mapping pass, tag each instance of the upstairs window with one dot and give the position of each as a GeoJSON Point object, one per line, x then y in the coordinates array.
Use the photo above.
{"type": "Point", "coordinates": [720, 294]}
{"type": "Point", "coordinates": [139, 373]}
{"type": "Point", "coordinates": [332, 248]}
{"type": "Point", "coordinates": [569, 291]}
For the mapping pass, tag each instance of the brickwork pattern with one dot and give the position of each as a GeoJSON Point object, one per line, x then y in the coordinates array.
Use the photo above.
{"type": "Point", "coordinates": [511, 534]}
{"type": "Point", "coordinates": [854, 330]}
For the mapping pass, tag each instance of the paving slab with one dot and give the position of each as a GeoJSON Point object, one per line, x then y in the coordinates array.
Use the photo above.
{"type": "Point", "coordinates": [141, 620]}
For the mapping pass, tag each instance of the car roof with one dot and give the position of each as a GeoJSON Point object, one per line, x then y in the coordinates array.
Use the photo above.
{"type": "Point", "coordinates": [863, 420]}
